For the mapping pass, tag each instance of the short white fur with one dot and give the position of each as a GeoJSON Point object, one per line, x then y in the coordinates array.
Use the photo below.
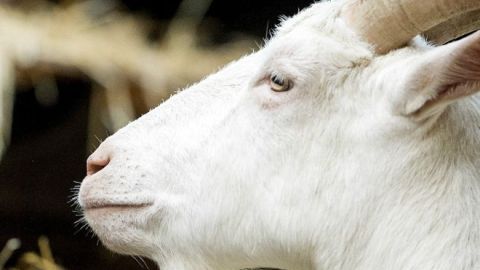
{"type": "Point", "coordinates": [336, 173]}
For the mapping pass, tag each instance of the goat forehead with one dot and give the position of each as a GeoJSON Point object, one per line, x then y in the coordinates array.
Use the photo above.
{"type": "Point", "coordinates": [318, 16]}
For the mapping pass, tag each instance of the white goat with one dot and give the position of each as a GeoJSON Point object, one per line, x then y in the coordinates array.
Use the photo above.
{"type": "Point", "coordinates": [336, 146]}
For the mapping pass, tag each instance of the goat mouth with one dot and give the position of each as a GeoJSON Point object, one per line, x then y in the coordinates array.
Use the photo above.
{"type": "Point", "coordinates": [116, 206]}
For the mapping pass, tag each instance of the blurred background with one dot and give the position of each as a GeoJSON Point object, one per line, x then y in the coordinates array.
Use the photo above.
{"type": "Point", "coordinates": [72, 73]}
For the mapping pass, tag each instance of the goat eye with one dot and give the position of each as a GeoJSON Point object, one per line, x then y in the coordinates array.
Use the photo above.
{"type": "Point", "coordinates": [279, 84]}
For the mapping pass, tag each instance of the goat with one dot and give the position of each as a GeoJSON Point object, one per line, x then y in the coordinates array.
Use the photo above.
{"type": "Point", "coordinates": [346, 142]}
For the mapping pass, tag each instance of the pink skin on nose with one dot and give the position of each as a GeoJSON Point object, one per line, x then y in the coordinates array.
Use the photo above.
{"type": "Point", "coordinates": [96, 163]}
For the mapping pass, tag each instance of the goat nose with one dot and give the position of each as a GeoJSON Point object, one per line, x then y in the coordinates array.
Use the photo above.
{"type": "Point", "coordinates": [96, 163]}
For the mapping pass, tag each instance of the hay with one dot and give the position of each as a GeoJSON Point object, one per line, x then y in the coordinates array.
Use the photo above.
{"type": "Point", "coordinates": [91, 39]}
{"type": "Point", "coordinates": [30, 260]}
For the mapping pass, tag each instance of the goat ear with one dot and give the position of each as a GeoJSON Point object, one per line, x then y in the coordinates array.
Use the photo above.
{"type": "Point", "coordinates": [444, 75]}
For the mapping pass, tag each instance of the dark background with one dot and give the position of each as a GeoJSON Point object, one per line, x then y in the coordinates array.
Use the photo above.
{"type": "Point", "coordinates": [48, 147]}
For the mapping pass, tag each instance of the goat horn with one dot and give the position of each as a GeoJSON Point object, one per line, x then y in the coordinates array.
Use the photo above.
{"type": "Point", "coordinates": [454, 28]}
{"type": "Point", "coordinates": [390, 24]}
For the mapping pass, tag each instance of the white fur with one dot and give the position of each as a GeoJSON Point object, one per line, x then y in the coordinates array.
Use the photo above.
{"type": "Point", "coordinates": [324, 176]}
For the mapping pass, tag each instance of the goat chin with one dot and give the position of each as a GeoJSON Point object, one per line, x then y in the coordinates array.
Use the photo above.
{"type": "Point", "coordinates": [315, 152]}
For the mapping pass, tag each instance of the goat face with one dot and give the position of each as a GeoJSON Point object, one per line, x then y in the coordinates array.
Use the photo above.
{"type": "Point", "coordinates": [281, 158]}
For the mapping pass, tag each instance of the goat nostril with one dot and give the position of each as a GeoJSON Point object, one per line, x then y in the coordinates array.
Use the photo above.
{"type": "Point", "coordinates": [94, 164]}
